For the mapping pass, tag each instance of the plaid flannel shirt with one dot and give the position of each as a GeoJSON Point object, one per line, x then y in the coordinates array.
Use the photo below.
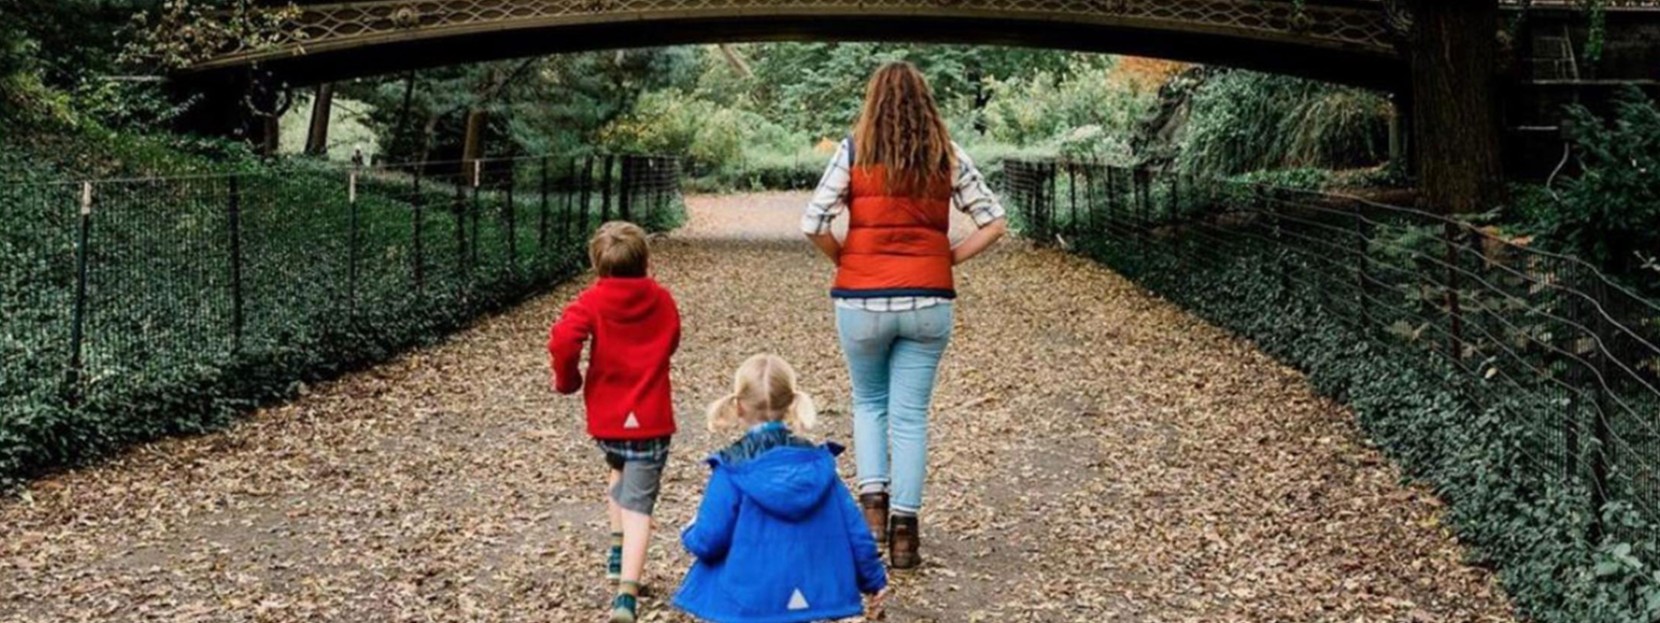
{"type": "Point", "coordinates": [653, 450]}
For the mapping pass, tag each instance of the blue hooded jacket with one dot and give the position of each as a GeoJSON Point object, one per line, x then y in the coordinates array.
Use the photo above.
{"type": "Point", "coordinates": [778, 539]}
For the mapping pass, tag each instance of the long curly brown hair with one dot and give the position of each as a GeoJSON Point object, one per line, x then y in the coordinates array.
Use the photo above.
{"type": "Point", "coordinates": [900, 129]}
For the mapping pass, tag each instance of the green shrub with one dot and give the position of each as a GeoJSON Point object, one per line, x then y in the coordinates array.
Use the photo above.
{"type": "Point", "coordinates": [1088, 115]}
{"type": "Point", "coordinates": [1610, 213]}
{"type": "Point", "coordinates": [1245, 121]}
{"type": "Point", "coordinates": [1299, 179]}
{"type": "Point", "coordinates": [718, 141]}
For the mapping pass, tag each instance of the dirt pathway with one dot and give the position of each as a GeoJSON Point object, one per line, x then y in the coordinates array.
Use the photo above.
{"type": "Point", "coordinates": [1099, 455]}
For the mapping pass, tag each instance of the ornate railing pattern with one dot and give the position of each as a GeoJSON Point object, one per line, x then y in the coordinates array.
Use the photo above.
{"type": "Point", "coordinates": [1349, 26]}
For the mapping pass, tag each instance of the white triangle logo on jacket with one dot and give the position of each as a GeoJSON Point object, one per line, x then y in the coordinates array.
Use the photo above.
{"type": "Point", "coordinates": [632, 421]}
{"type": "Point", "coordinates": [798, 601]}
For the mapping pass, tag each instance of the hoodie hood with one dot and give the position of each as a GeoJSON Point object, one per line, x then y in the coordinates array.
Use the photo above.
{"type": "Point", "coordinates": [788, 482]}
{"type": "Point", "coordinates": [626, 300]}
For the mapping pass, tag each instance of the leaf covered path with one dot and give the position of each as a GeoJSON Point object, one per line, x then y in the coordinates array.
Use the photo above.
{"type": "Point", "coordinates": [1098, 455]}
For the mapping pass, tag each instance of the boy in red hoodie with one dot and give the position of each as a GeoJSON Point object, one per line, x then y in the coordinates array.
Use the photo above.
{"type": "Point", "coordinates": [633, 327]}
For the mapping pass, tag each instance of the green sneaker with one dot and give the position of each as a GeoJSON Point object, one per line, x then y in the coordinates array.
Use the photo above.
{"type": "Point", "coordinates": [613, 564]}
{"type": "Point", "coordinates": [625, 609]}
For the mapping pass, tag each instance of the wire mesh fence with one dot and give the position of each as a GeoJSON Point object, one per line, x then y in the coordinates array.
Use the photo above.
{"type": "Point", "coordinates": [1564, 357]}
{"type": "Point", "coordinates": [135, 308]}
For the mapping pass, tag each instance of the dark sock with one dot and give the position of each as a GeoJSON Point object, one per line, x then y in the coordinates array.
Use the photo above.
{"type": "Point", "coordinates": [903, 513]}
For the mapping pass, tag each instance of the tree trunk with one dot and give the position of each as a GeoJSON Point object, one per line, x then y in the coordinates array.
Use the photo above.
{"type": "Point", "coordinates": [427, 134]}
{"type": "Point", "coordinates": [473, 148]}
{"type": "Point", "coordinates": [269, 137]}
{"type": "Point", "coordinates": [982, 98]}
{"type": "Point", "coordinates": [317, 139]}
{"type": "Point", "coordinates": [1455, 118]}
{"type": "Point", "coordinates": [402, 139]}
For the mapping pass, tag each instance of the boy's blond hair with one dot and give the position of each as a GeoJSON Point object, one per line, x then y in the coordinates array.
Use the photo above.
{"type": "Point", "coordinates": [619, 249]}
{"type": "Point", "coordinates": [764, 390]}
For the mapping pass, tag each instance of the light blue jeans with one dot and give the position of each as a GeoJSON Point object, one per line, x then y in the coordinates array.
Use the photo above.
{"type": "Point", "coordinates": [893, 358]}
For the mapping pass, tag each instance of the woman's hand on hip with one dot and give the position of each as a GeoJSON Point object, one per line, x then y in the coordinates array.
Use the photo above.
{"type": "Point", "coordinates": [827, 245]}
{"type": "Point", "coordinates": [979, 241]}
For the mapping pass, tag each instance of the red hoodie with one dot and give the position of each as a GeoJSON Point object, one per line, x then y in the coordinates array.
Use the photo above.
{"type": "Point", "coordinates": [635, 327]}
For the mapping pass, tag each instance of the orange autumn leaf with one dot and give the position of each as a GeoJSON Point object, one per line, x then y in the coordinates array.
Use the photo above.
{"type": "Point", "coordinates": [1140, 73]}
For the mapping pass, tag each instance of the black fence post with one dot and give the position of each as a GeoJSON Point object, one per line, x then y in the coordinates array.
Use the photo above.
{"type": "Point", "coordinates": [77, 326]}
{"type": "Point", "coordinates": [1172, 216]}
{"type": "Point", "coordinates": [654, 187]}
{"type": "Point", "coordinates": [1143, 199]}
{"type": "Point", "coordinates": [625, 189]}
{"type": "Point", "coordinates": [1455, 317]}
{"type": "Point", "coordinates": [477, 208]}
{"type": "Point", "coordinates": [573, 183]}
{"type": "Point", "coordinates": [542, 217]}
{"type": "Point", "coordinates": [416, 202]}
{"type": "Point", "coordinates": [510, 218]}
{"type": "Point", "coordinates": [605, 189]}
{"type": "Point", "coordinates": [660, 203]}
{"type": "Point", "coordinates": [1072, 199]}
{"type": "Point", "coordinates": [1363, 277]}
{"type": "Point", "coordinates": [1046, 201]}
{"type": "Point", "coordinates": [587, 196]}
{"type": "Point", "coordinates": [1266, 202]}
{"type": "Point", "coordinates": [1112, 201]}
{"type": "Point", "coordinates": [1478, 311]}
{"type": "Point", "coordinates": [233, 213]}
{"type": "Point", "coordinates": [1577, 373]}
{"type": "Point", "coordinates": [352, 242]}
{"type": "Point", "coordinates": [1173, 206]}
{"type": "Point", "coordinates": [1603, 456]}
{"type": "Point", "coordinates": [1092, 202]}
{"type": "Point", "coordinates": [459, 211]}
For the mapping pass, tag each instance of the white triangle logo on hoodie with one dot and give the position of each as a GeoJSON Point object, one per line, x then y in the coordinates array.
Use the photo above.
{"type": "Point", "coordinates": [798, 601]}
{"type": "Point", "coordinates": [632, 421]}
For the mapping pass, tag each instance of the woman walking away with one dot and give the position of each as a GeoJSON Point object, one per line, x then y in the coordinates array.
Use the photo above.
{"type": "Point", "coordinates": [897, 177]}
{"type": "Point", "coordinates": [777, 538]}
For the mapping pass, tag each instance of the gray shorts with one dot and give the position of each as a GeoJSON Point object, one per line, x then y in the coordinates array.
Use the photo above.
{"type": "Point", "coordinates": [642, 477]}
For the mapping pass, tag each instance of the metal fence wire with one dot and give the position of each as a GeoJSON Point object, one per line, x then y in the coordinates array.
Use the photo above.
{"type": "Point", "coordinates": [1566, 355]}
{"type": "Point", "coordinates": [128, 302]}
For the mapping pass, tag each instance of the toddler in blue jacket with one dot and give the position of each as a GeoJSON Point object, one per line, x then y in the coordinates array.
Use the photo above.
{"type": "Point", "coordinates": [778, 538]}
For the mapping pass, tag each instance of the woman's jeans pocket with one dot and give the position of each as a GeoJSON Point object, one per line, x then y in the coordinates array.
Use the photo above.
{"type": "Point", "coordinates": [930, 324]}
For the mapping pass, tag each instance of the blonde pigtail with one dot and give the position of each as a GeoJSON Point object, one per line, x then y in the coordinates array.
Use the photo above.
{"type": "Point", "coordinates": [803, 413]}
{"type": "Point", "coordinates": [723, 414]}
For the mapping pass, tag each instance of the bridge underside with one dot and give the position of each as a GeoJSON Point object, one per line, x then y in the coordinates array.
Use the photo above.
{"type": "Point", "coordinates": [389, 50]}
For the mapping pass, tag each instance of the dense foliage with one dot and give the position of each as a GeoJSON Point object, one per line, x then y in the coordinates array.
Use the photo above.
{"type": "Point", "coordinates": [767, 115]}
{"type": "Point", "coordinates": [755, 113]}
{"type": "Point", "coordinates": [1610, 212]}
{"type": "Point", "coordinates": [1244, 121]}
{"type": "Point", "coordinates": [554, 105]}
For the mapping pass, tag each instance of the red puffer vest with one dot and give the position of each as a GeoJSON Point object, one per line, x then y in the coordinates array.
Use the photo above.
{"type": "Point", "coordinates": [896, 246]}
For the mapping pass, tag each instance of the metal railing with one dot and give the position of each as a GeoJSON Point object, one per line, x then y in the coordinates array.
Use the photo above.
{"type": "Point", "coordinates": [1569, 356]}
{"type": "Point", "coordinates": [136, 299]}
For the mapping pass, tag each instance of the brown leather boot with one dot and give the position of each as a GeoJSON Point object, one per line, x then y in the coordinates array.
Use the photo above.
{"type": "Point", "coordinates": [875, 506]}
{"type": "Point", "coordinates": [903, 543]}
